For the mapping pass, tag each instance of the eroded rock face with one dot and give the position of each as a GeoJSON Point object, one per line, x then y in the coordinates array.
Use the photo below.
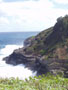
{"type": "Point", "coordinates": [28, 41]}
{"type": "Point", "coordinates": [52, 44]}
{"type": "Point", "coordinates": [32, 62]}
{"type": "Point", "coordinates": [15, 59]}
{"type": "Point", "coordinates": [54, 66]}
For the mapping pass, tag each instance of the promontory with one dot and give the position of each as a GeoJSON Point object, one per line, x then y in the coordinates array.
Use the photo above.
{"type": "Point", "coordinates": [45, 52]}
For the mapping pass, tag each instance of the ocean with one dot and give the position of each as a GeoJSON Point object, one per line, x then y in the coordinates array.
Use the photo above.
{"type": "Point", "coordinates": [9, 41]}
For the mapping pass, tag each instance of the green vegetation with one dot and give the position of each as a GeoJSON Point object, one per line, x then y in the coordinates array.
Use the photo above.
{"type": "Point", "coordinates": [48, 82]}
{"type": "Point", "coordinates": [42, 52]}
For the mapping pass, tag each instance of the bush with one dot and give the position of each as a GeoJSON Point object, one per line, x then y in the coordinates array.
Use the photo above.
{"type": "Point", "coordinates": [42, 52]}
{"type": "Point", "coordinates": [48, 82]}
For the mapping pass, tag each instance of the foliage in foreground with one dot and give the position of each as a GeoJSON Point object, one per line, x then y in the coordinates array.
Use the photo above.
{"type": "Point", "coordinates": [49, 82]}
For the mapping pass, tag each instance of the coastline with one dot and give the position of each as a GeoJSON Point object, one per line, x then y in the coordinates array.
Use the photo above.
{"type": "Point", "coordinates": [45, 52]}
{"type": "Point", "coordinates": [7, 70]}
{"type": "Point", "coordinates": [37, 63]}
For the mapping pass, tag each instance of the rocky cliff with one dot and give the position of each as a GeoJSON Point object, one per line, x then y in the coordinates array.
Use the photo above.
{"type": "Point", "coordinates": [46, 52]}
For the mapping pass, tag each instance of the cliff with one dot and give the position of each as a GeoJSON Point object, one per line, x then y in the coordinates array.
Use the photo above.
{"type": "Point", "coordinates": [46, 52]}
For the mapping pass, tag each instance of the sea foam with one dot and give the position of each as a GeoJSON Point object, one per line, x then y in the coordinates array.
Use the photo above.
{"type": "Point", "coordinates": [7, 71]}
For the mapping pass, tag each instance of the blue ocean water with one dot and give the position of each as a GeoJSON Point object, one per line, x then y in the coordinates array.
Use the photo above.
{"type": "Point", "coordinates": [8, 43]}
{"type": "Point", "coordinates": [14, 38]}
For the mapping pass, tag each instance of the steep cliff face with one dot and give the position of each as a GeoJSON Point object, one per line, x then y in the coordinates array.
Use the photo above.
{"type": "Point", "coordinates": [46, 52]}
{"type": "Point", "coordinates": [53, 42]}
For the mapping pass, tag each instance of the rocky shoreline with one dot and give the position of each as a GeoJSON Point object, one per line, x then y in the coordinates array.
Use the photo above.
{"type": "Point", "coordinates": [32, 62]}
{"type": "Point", "coordinates": [45, 52]}
{"type": "Point", "coordinates": [36, 63]}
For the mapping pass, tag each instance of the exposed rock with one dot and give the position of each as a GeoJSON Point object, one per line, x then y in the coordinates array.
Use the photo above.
{"type": "Point", "coordinates": [37, 64]}
{"type": "Point", "coordinates": [28, 41]}
{"type": "Point", "coordinates": [46, 52]}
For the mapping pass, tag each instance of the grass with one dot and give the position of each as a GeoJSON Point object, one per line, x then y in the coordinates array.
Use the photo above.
{"type": "Point", "coordinates": [48, 82]}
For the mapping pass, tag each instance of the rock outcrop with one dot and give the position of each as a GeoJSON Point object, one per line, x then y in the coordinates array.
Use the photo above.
{"type": "Point", "coordinates": [46, 52]}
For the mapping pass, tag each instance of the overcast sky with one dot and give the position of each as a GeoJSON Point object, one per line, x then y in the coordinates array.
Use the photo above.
{"type": "Point", "coordinates": [30, 15]}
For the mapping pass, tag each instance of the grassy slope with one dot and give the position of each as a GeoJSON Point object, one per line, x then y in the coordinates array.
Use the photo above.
{"type": "Point", "coordinates": [37, 83]}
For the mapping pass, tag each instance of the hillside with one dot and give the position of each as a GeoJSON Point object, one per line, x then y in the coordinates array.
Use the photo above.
{"type": "Point", "coordinates": [53, 42]}
{"type": "Point", "coordinates": [46, 52]}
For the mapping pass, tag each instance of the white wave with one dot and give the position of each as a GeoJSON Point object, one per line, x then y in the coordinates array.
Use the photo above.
{"type": "Point", "coordinates": [9, 49]}
{"type": "Point", "coordinates": [7, 71]}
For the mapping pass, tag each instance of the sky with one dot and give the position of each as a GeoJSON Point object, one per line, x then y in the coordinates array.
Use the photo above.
{"type": "Point", "coordinates": [30, 15]}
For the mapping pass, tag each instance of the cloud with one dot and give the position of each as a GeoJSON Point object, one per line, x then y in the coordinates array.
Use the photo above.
{"type": "Point", "coordinates": [0, 1]}
{"type": "Point", "coordinates": [29, 15]}
{"type": "Point", "coordinates": [61, 1]}
{"type": "Point", "coordinates": [18, 0]}
{"type": "Point", "coordinates": [3, 21]}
